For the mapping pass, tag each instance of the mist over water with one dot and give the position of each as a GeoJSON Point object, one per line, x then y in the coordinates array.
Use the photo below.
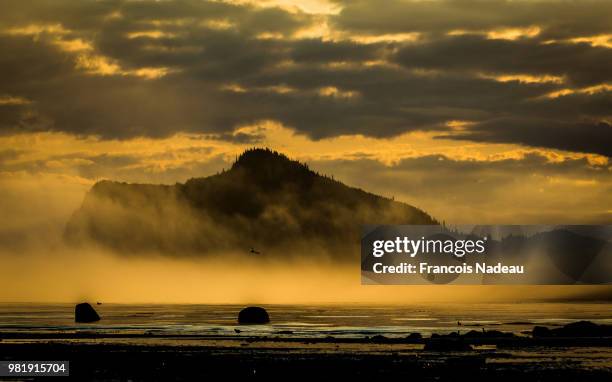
{"type": "Point", "coordinates": [63, 274]}
{"type": "Point", "coordinates": [37, 266]}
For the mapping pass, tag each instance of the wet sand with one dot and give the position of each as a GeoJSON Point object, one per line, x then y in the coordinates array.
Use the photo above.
{"type": "Point", "coordinates": [148, 357]}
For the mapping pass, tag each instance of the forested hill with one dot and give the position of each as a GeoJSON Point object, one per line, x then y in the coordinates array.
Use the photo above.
{"type": "Point", "coordinates": [264, 202]}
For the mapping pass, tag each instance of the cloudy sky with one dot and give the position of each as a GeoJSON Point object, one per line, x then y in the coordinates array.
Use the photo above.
{"type": "Point", "coordinates": [476, 111]}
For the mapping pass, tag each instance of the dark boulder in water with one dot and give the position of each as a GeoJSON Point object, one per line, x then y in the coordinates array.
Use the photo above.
{"type": "Point", "coordinates": [85, 313]}
{"type": "Point", "coordinates": [575, 329]}
{"type": "Point", "coordinates": [253, 315]}
{"type": "Point", "coordinates": [584, 329]}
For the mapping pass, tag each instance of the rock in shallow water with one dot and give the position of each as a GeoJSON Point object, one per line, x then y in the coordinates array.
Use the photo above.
{"type": "Point", "coordinates": [85, 313]}
{"type": "Point", "coordinates": [574, 329]}
{"type": "Point", "coordinates": [253, 315]}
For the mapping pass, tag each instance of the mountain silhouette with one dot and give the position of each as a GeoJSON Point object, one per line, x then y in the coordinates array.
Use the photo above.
{"type": "Point", "coordinates": [264, 201]}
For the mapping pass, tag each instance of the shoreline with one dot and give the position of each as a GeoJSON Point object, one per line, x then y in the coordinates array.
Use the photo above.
{"type": "Point", "coordinates": [190, 359]}
{"type": "Point", "coordinates": [157, 343]}
{"type": "Point", "coordinates": [505, 340]}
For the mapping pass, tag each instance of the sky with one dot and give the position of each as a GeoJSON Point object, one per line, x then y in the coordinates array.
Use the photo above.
{"type": "Point", "coordinates": [474, 111]}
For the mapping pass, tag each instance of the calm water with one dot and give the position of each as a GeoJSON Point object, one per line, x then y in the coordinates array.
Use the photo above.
{"type": "Point", "coordinates": [302, 321]}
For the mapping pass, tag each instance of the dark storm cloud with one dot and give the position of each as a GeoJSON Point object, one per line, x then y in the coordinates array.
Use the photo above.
{"type": "Point", "coordinates": [573, 136]}
{"type": "Point", "coordinates": [557, 19]}
{"type": "Point", "coordinates": [317, 51]}
{"type": "Point", "coordinates": [582, 64]}
{"type": "Point", "coordinates": [224, 65]}
{"type": "Point", "coordinates": [96, 16]}
{"type": "Point", "coordinates": [595, 106]}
